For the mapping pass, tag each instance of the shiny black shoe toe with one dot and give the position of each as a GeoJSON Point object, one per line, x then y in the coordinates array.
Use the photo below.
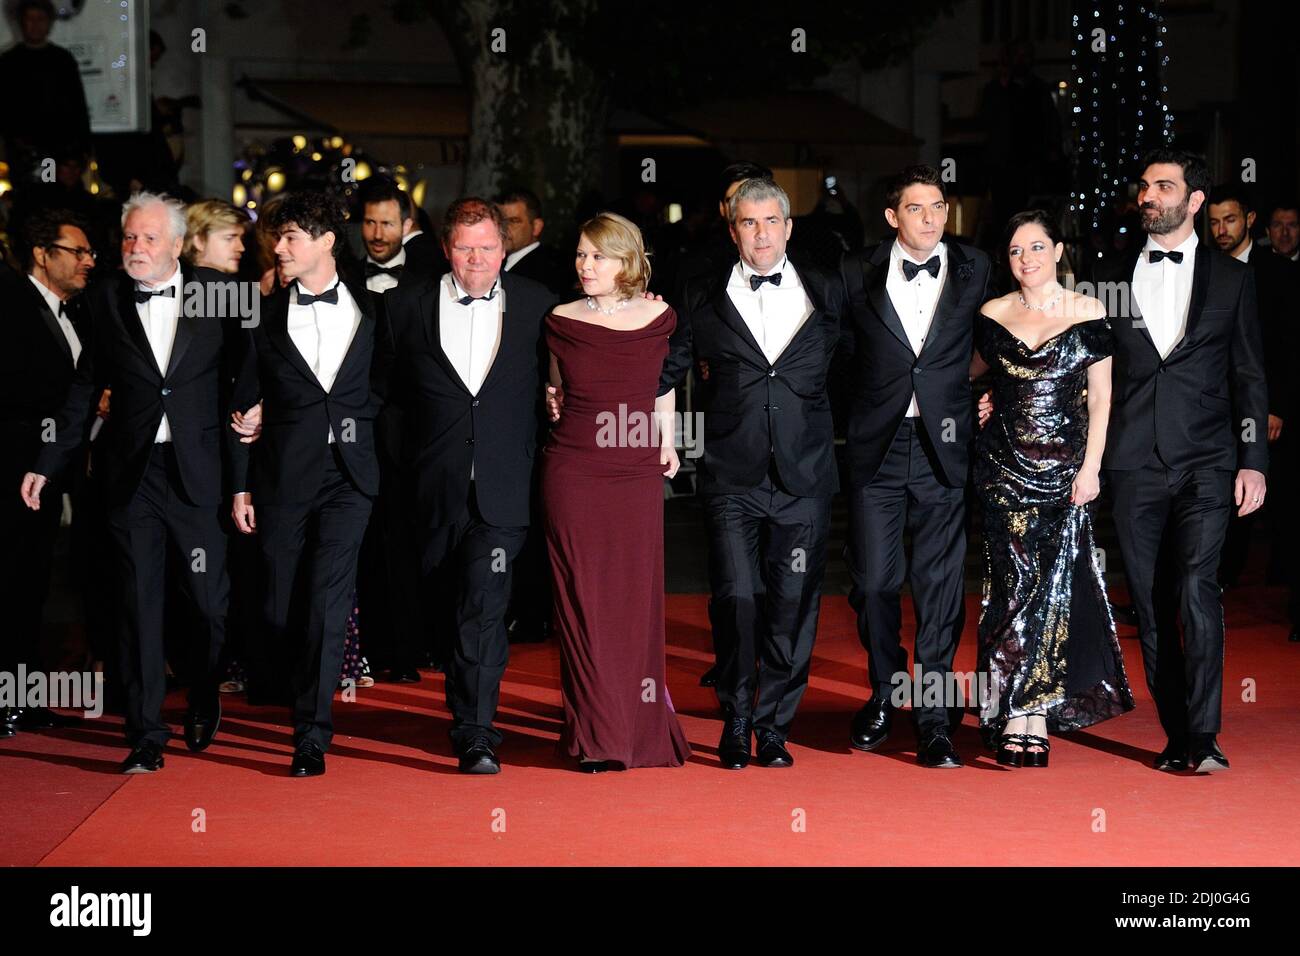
{"type": "Point", "coordinates": [1173, 759]}
{"type": "Point", "coordinates": [9, 718]}
{"type": "Point", "coordinates": [1206, 757]}
{"type": "Point", "coordinates": [145, 757]}
{"type": "Point", "coordinates": [734, 748]}
{"type": "Point", "coordinates": [308, 760]}
{"type": "Point", "coordinates": [936, 750]}
{"type": "Point", "coordinates": [772, 752]}
{"type": "Point", "coordinates": [201, 727]}
{"type": "Point", "coordinates": [478, 757]}
{"type": "Point", "coordinates": [871, 725]}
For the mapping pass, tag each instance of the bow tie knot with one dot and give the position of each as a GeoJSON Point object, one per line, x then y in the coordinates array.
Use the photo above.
{"type": "Point", "coordinates": [375, 269]}
{"type": "Point", "coordinates": [467, 299]}
{"type": "Point", "coordinates": [912, 269]}
{"type": "Point", "coordinates": [1155, 255]}
{"type": "Point", "coordinates": [757, 280]}
{"type": "Point", "coordinates": [329, 296]}
{"type": "Point", "coordinates": [144, 295]}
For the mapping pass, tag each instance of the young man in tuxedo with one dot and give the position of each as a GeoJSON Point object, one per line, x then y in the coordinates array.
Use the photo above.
{"type": "Point", "coordinates": [168, 364]}
{"type": "Point", "coordinates": [912, 302]}
{"type": "Point", "coordinates": [37, 366]}
{"type": "Point", "coordinates": [467, 375]}
{"type": "Point", "coordinates": [1188, 439]}
{"type": "Point", "coordinates": [306, 487]}
{"type": "Point", "coordinates": [767, 331]}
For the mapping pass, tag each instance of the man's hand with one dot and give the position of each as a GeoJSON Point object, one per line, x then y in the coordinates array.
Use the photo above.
{"type": "Point", "coordinates": [1274, 428]}
{"type": "Point", "coordinates": [242, 513]}
{"type": "Point", "coordinates": [1086, 487]}
{"type": "Point", "coordinates": [554, 401]}
{"type": "Point", "coordinates": [650, 296]}
{"type": "Point", "coordinates": [248, 424]}
{"type": "Point", "coordinates": [986, 409]}
{"type": "Point", "coordinates": [702, 369]}
{"type": "Point", "coordinates": [1250, 490]}
{"type": "Point", "coordinates": [31, 489]}
{"type": "Point", "coordinates": [104, 404]}
{"type": "Point", "coordinates": [668, 457]}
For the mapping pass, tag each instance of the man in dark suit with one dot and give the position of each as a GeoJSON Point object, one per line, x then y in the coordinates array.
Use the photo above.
{"type": "Point", "coordinates": [767, 331]}
{"type": "Point", "coordinates": [314, 471]}
{"type": "Point", "coordinates": [1277, 295]}
{"type": "Point", "coordinates": [167, 362]}
{"type": "Point", "coordinates": [37, 365]}
{"type": "Point", "coordinates": [913, 303]}
{"type": "Point", "coordinates": [525, 254]}
{"type": "Point", "coordinates": [1187, 438]}
{"type": "Point", "coordinates": [468, 377]}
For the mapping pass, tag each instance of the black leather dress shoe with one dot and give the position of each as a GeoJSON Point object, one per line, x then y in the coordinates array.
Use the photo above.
{"type": "Point", "coordinates": [9, 718]}
{"type": "Point", "coordinates": [404, 675]}
{"type": "Point", "coordinates": [771, 750]}
{"type": "Point", "coordinates": [1204, 755]}
{"type": "Point", "coordinates": [145, 757]}
{"type": "Point", "coordinates": [871, 724]}
{"type": "Point", "coordinates": [42, 718]}
{"type": "Point", "coordinates": [308, 760]}
{"type": "Point", "coordinates": [201, 727]}
{"type": "Point", "coordinates": [735, 747]}
{"type": "Point", "coordinates": [710, 677]}
{"type": "Point", "coordinates": [936, 750]}
{"type": "Point", "coordinates": [479, 757]}
{"type": "Point", "coordinates": [1173, 759]}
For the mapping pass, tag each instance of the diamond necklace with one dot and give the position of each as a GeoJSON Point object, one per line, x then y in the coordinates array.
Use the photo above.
{"type": "Point", "coordinates": [618, 306]}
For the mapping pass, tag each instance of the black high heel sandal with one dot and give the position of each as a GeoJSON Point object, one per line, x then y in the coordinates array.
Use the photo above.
{"type": "Point", "coordinates": [1008, 757]}
{"type": "Point", "coordinates": [1036, 758]}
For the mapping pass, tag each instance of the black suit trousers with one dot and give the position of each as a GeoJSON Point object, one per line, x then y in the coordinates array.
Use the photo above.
{"type": "Point", "coordinates": [905, 495]}
{"type": "Point", "coordinates": [26, 557]}
{"type": "Point", "coordinates": [478, 556]}
{"type": "Point", "coordinates": [310, 550]}
{"type": "Point", "coordinates": [1171, 527]}
{"type": "Point", "coordinates": [159, 518]}
{"type": "Point", "coordinates": [767, 558]}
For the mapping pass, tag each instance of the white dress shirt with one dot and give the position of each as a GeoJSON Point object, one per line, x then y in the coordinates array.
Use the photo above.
{"type": "Point", "coordinates": [1244, 254]}
{"type": "Point", "coordinates": [519, 254]}
{"type": "Point", "coordinates": [322, 332]}
{"type": "Point", "coordinates": [915, 300]}
{"type": "Point", "coordinates": [1163, 292]}
{"type": "Point", "coordinates": [65, 324]}
{"type": "Point", "coordinates": [381, 282]}
{"type": "Point", "coordinates": [773, 313]}
{"type": "Point", "coordinates": [469, 334]}
{"type": "Point", "coordinates": [159, 316]}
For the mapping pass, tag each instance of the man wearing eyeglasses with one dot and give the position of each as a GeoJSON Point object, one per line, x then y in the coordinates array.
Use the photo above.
{"type": "Point", "coordinates": [43, 340]}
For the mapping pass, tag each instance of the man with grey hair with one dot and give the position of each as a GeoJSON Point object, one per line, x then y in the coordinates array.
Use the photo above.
{"type": "Point", "coordinates": [168, 369]}
{"type": "Point", "coordinates": [766, 330]}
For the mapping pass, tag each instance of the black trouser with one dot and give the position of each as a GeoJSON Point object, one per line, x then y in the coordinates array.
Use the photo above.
{"type": "Point", "coordinates": [313, 545]}
{"type": "Point", "coordinates": [906, 495]}
{"type": "Point", "coordinates": [157, 518]}
{"type": "Point", "coordinates": [26, 557]}
{"type": "Point", "coordinates": [531, 602]}
{"type": "Point", "coordinates": [767, 558]}
{"type": "Point", "coordinates": [478, 557]}
{"type": "Point", "coordinates": [389, 577]}
{"type": "Point", "coordinates": [1171, 527]}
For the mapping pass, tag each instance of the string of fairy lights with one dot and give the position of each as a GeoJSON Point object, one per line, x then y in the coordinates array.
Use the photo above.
{"type": "Point", "coordinates": [1118, 101]}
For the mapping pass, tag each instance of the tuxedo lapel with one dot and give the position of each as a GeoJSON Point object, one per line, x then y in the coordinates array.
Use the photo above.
{"type": "Point", "coordinates": [361, 296]}
{"type": "Point", "coordinates": [277, 331]}
{"type": "Point", "coordinates": [731, 316]}
{"type": "Point", "coordinates": [430, 310]}
{"type": "Point", "coordinates": [49, 319]}
{"type": "Point", "coordinates": [816, 295]}
{"type": "Point", "coordinates": [954, 285]}
{"type": "Point", "coordinates": [875, 272]}
{"type": "Point", "coordinates": [129, 315]}
{"type": "Point", "coordinates": [1139, 323]}
{"type": "Point", "coordinates": [1200, 285]}
{"type": "Point", "coordinates": [184, 324]}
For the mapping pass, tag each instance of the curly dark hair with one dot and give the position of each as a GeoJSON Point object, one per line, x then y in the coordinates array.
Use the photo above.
{"type": "Point", "coordinates": [41, 230]}
{"type": "Point", "coordinates": [312, 211]}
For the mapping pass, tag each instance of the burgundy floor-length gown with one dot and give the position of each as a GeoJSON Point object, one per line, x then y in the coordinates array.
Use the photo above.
{"type": "Point", "coordinates": [602, 488]}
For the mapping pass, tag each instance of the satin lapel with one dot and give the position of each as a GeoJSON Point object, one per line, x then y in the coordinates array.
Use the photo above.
{"type": "Point", "coordinates": [953, 287]}
{"type": "Point", "coordinates": [1200, 285]}
{"type": "Point", "coordinates": [507, 327]}
{"type": "Point", "coordinates": [731, 315]}
{"type": "Point", "coordinates": [813, 321]}
{"type": "Point", "coordinates": [277, 332]}
{"type": "Point", "coordinates": [1139, 323]}
{"type": "Point", "coordinates": [431, 308]}
{"type": "Point", "coordinates": [184, 323]}
{"type": "Point", "coordinates": [361, 296]}
{"type": "Point", "coordinates": [129, 315]}
{"type": "Point", "coordinates": [48, 317]}
{"type": "Point", "coordinates": [875, 272]}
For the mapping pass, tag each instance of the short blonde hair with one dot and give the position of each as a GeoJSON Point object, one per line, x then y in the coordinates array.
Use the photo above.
{"type": "Point", "coordinates": [204, 216]}
{"type": "Point", "coordinates": [619, 238]}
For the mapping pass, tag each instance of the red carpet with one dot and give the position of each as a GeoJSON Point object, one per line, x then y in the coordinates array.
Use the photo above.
{"type": "Point", "coordinates": [392, 795]}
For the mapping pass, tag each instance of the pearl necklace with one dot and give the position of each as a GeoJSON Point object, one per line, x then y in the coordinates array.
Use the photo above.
{"type": "Point", "coordinates": [618, 306]}
{"type": "Point", "coordinates": [1045, 306]}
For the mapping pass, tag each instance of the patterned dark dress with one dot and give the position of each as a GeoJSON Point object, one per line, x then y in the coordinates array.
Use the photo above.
{"type": "Point", "coordinates": [1047, 641]}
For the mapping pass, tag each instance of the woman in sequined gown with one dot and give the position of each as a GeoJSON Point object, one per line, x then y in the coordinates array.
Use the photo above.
{"type": "Point", "coordinates": [1047, 642]}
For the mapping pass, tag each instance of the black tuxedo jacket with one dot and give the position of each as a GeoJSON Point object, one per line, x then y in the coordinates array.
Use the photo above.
{"type": "Point", "coordinates": [759, 413]}
{"type": "Point", "coordinates": [550, 268]}
{"type": "Point", "coordinates": [193, 391]}
{"type": "Point", "coordinates": [286, 463]}
{"type": "Point", "coordinates": [884, 371]}
{"type": "Point", "coordinates": [424, 258]}
{"type": "Point", "coordinates": [1191, 406]}
{"type": "Point", "coordinates": [1277, 288]}
{"type": "Point", "coordinates": [36, 370]}
{"type": "Point", "coordinates": [445, 429]}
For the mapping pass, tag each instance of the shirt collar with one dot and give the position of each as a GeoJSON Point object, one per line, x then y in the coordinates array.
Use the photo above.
{"type": "Point", "coordinates": [397, 260]}
{"type": "Point", "coordinates": [52, 300]}
{"type": "Point", "coordinates": [1244, 254]}
{"type": "Point", "coordinates": [520, 253]}
{"type": "Point", "coordinates": [175, 280]}
{"type": "Point", "coordinates": [899, 253]}
{"type": "Point", "coordinates": [299, 289]}
{"type": "Point", "coordinates": [1186, 247]}
{"type": "Point", "coordinates": [458, 293]}
{"type": "Point", "coordinates": [746, 270]}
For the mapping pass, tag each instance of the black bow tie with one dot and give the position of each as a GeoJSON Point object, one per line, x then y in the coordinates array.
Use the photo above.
{"type": "Point", "coordinates": [144, 295]}
{"type": "Point", "coordinates": [63, 311]}
{"type": "Point", "coordinates": [911, 269]}
{"type": "Point", "coordinates": [375, 269]}
{"type": "Point", "coordinates": [756, 280]}
{"type": "Point", "coordinates": [467, 299]}
{"type": "Point", "coordinates": [1155, 255]}
{"type": "Point", "coordinates": [329, 296]}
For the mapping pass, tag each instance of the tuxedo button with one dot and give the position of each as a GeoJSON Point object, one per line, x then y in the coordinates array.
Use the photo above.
{"type": "Point", "coordinates": [771, 373]}
{"type": "Point", "coordinates": [165, 392]}
{"type": "Point", "coordinates": [474, 404]}
{"type": "Point", "coordinates": [469, 441]}
{"type": "Point", "coordinates": [918, 370]}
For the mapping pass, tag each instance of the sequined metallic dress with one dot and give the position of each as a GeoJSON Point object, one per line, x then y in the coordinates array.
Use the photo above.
{"type": "Point", "coordinates": [1047, 641]}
